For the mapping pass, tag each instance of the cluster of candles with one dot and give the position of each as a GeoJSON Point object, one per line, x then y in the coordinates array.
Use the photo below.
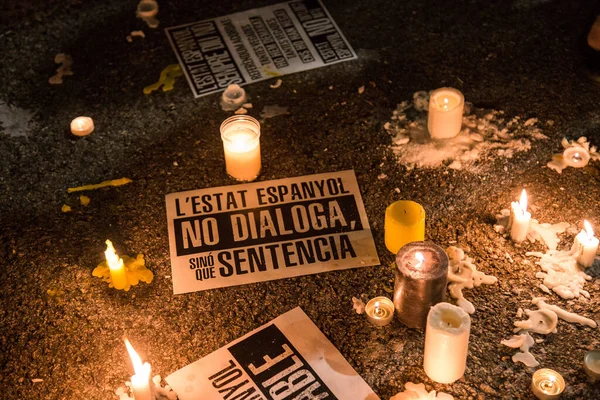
{"type": "Point", "coordinates": [584, 247]}
{"type": "Point", "coordinates": [421, 267]}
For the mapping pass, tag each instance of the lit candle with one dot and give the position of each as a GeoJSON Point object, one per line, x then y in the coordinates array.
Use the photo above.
{"type": "Point", "coordinates": [118, 275]}
{"type": "Point", "coordinates": [404, 223]}
{"type": "Point", "coordinates": [446, 107]}
{"type": "Point", "coordinates": [585, 246]}
{"type": "Point", "coordinates": [591, 365]}
{"type": "Point", "coordinates": [547, 384]}
{"type": "Point", "coordinates": [576, 157]}
{"type": "Point", "coordinates": [446, 343]}
{"type": "Point", "coordinates": [379, 311]}
{"type": "Point", "coordinates": [82, 126]}
{"type": "Point", "coordinates": [141, 382]}
{"type": "Point", "coordinates": [421, 272]}
{"type": "Point", "coordinates": [241, 142]}
{"type": "Point", "coordinates": [519, 219]}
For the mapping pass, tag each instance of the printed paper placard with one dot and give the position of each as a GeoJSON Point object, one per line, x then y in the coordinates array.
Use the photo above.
{"type": "Point", "coordinates": [257, 44]}
{"type": "Point", "coordinates": [288, 358]}
{"type": "Point", "coordinates": [255, 232]}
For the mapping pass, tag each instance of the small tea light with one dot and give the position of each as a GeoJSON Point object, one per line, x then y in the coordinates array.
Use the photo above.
{"type": "Point", "coordinates": [586, 245]}
{"type": "Point", "coordinates": [404, 223]}
{"type": "Point", "coordinates": [519, 219]}
{"type": "Point", "coordinates": [547, 384]}
{"type": "Point", "coordinates": [446, 107]}
{"type": "Point", "coordinates": [241, 143]}
{"type": "Point", "coordinates": [82, 126]}
{"type": "Point", "coordinates": [576, 157]}
{"type": "Point", "coordinates": [591, 365]}
{"type": "Point", "coordinates": [379, 311]}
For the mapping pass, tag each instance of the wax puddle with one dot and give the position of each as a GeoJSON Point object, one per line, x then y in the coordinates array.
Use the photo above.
{"type": "Point", "coordinates": [485, 134]}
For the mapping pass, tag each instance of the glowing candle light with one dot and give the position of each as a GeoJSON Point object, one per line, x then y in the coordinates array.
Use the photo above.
{"type": "Point", "coordinates": [421, 273]}
{"type": "Point", "coordinates": [519, 219]}
{"type": "Point", "coordinates": [446, 107]}
{"type": "Point", "coordinates": [82, 126]}
{"type": "Point", "coordinates": [379, 311]}
{"type": "Point", "coordinates": [141, 382]}
{"type": "Point", "coordinates": [241, 143]}
{"type": "Point", "coordinates": [547, 384]}
{"type": "Point", "coordinates": [585, 246]}
{"type": "Point", "coordinates": [118, 275]}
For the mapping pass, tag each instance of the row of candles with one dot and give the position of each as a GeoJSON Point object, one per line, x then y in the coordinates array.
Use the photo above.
{"type": "Point", "coordinates": [241, 133]}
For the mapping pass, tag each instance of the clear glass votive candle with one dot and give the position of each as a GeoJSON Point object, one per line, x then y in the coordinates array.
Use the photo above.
{"type": "Point", "coordinates": [241, 144]}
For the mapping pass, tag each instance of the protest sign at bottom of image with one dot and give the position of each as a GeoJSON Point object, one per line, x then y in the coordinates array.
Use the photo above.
{"type": "Point", "coordinates": [287, 358]}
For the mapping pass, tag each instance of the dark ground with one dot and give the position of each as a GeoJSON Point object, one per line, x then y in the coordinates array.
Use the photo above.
{"type": "Point", "coordinates": [516, 56]}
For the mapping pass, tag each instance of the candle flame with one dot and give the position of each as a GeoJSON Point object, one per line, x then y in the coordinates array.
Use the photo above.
{"type": "Point", "coordinates": [135, 358]}
{"type": "Point", "coordinates": [419, 256]}
{"type": "Point", "coordinates": [112, 259]}
{"type": "Point", "coordinates": [552, 379]}
{"type": "Point", "coordinates": [588, 228]}
{"type": "Point", "coordinates": [523, 201]}
{"type": "Point", "coordinates": [376, 306]}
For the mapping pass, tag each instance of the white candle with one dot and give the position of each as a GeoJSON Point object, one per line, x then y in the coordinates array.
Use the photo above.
{"type": "Point", "coordinates": [446, 107]}
{"type": "Point", "coordinates": [519, 219]}
{"type": "Point", "coordinates": [585, 246]}
{"type": "Point", "coordinates": [446, 343]}
{"type": "Point", "coordinates": [241, 143]}
{"type": "Point", "coordinates": [82, 126]}
{"type": "Point", "coordinates": [141, 381]}
{"type": "Point", "coordinates": [380, 311]}
{"type": "Point", "coordinates": [547, 384]}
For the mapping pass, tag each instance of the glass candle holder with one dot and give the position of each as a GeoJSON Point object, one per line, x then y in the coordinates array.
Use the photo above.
{"type": "Point", "coordinates": [421, 274]}
{"type": "Point", "coordinates": [241, 144]}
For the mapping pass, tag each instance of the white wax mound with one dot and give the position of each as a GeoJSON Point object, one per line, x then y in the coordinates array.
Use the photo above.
{"type": "Point", "coordinates": [449, 319]}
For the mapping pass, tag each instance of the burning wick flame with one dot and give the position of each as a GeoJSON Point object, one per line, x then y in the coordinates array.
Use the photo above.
{"type": "Point", "coordinates": [113, 260]}
{"type": "Point", "coordinates": [419, 256]}
{"type": "Point", "coordinates": [135, 358]}
{"type": "Point", "coordinates": [446, 102]}
{"type": "Point", "coordinates": [523, 202]}
{"type": "Point", "coordinates": [588, 228]}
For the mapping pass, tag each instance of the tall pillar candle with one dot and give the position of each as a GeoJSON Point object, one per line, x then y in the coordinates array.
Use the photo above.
{"type": "Point", "coordinates": [519, 218]}
{"type": "Point", "coordinates": [585, 246]}
{"type": "Point", "coordinates": [446, 343]}
{"type": "Point", "coordinates": [421, 273]}
{"type": "Point", "coordinates": [241, 144]}
{"type": "Point", "coordinates": [446, 106]}
{"type": "Point", "coordinates": [404, 223]}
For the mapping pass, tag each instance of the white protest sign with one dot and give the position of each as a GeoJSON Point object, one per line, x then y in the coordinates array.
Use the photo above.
{"type": "Point", "coordinates": [257, 44]}
{"type": "Point", "coordinates": [255, 232]}
{"type": "Point", "coordinates": [288, 358]}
